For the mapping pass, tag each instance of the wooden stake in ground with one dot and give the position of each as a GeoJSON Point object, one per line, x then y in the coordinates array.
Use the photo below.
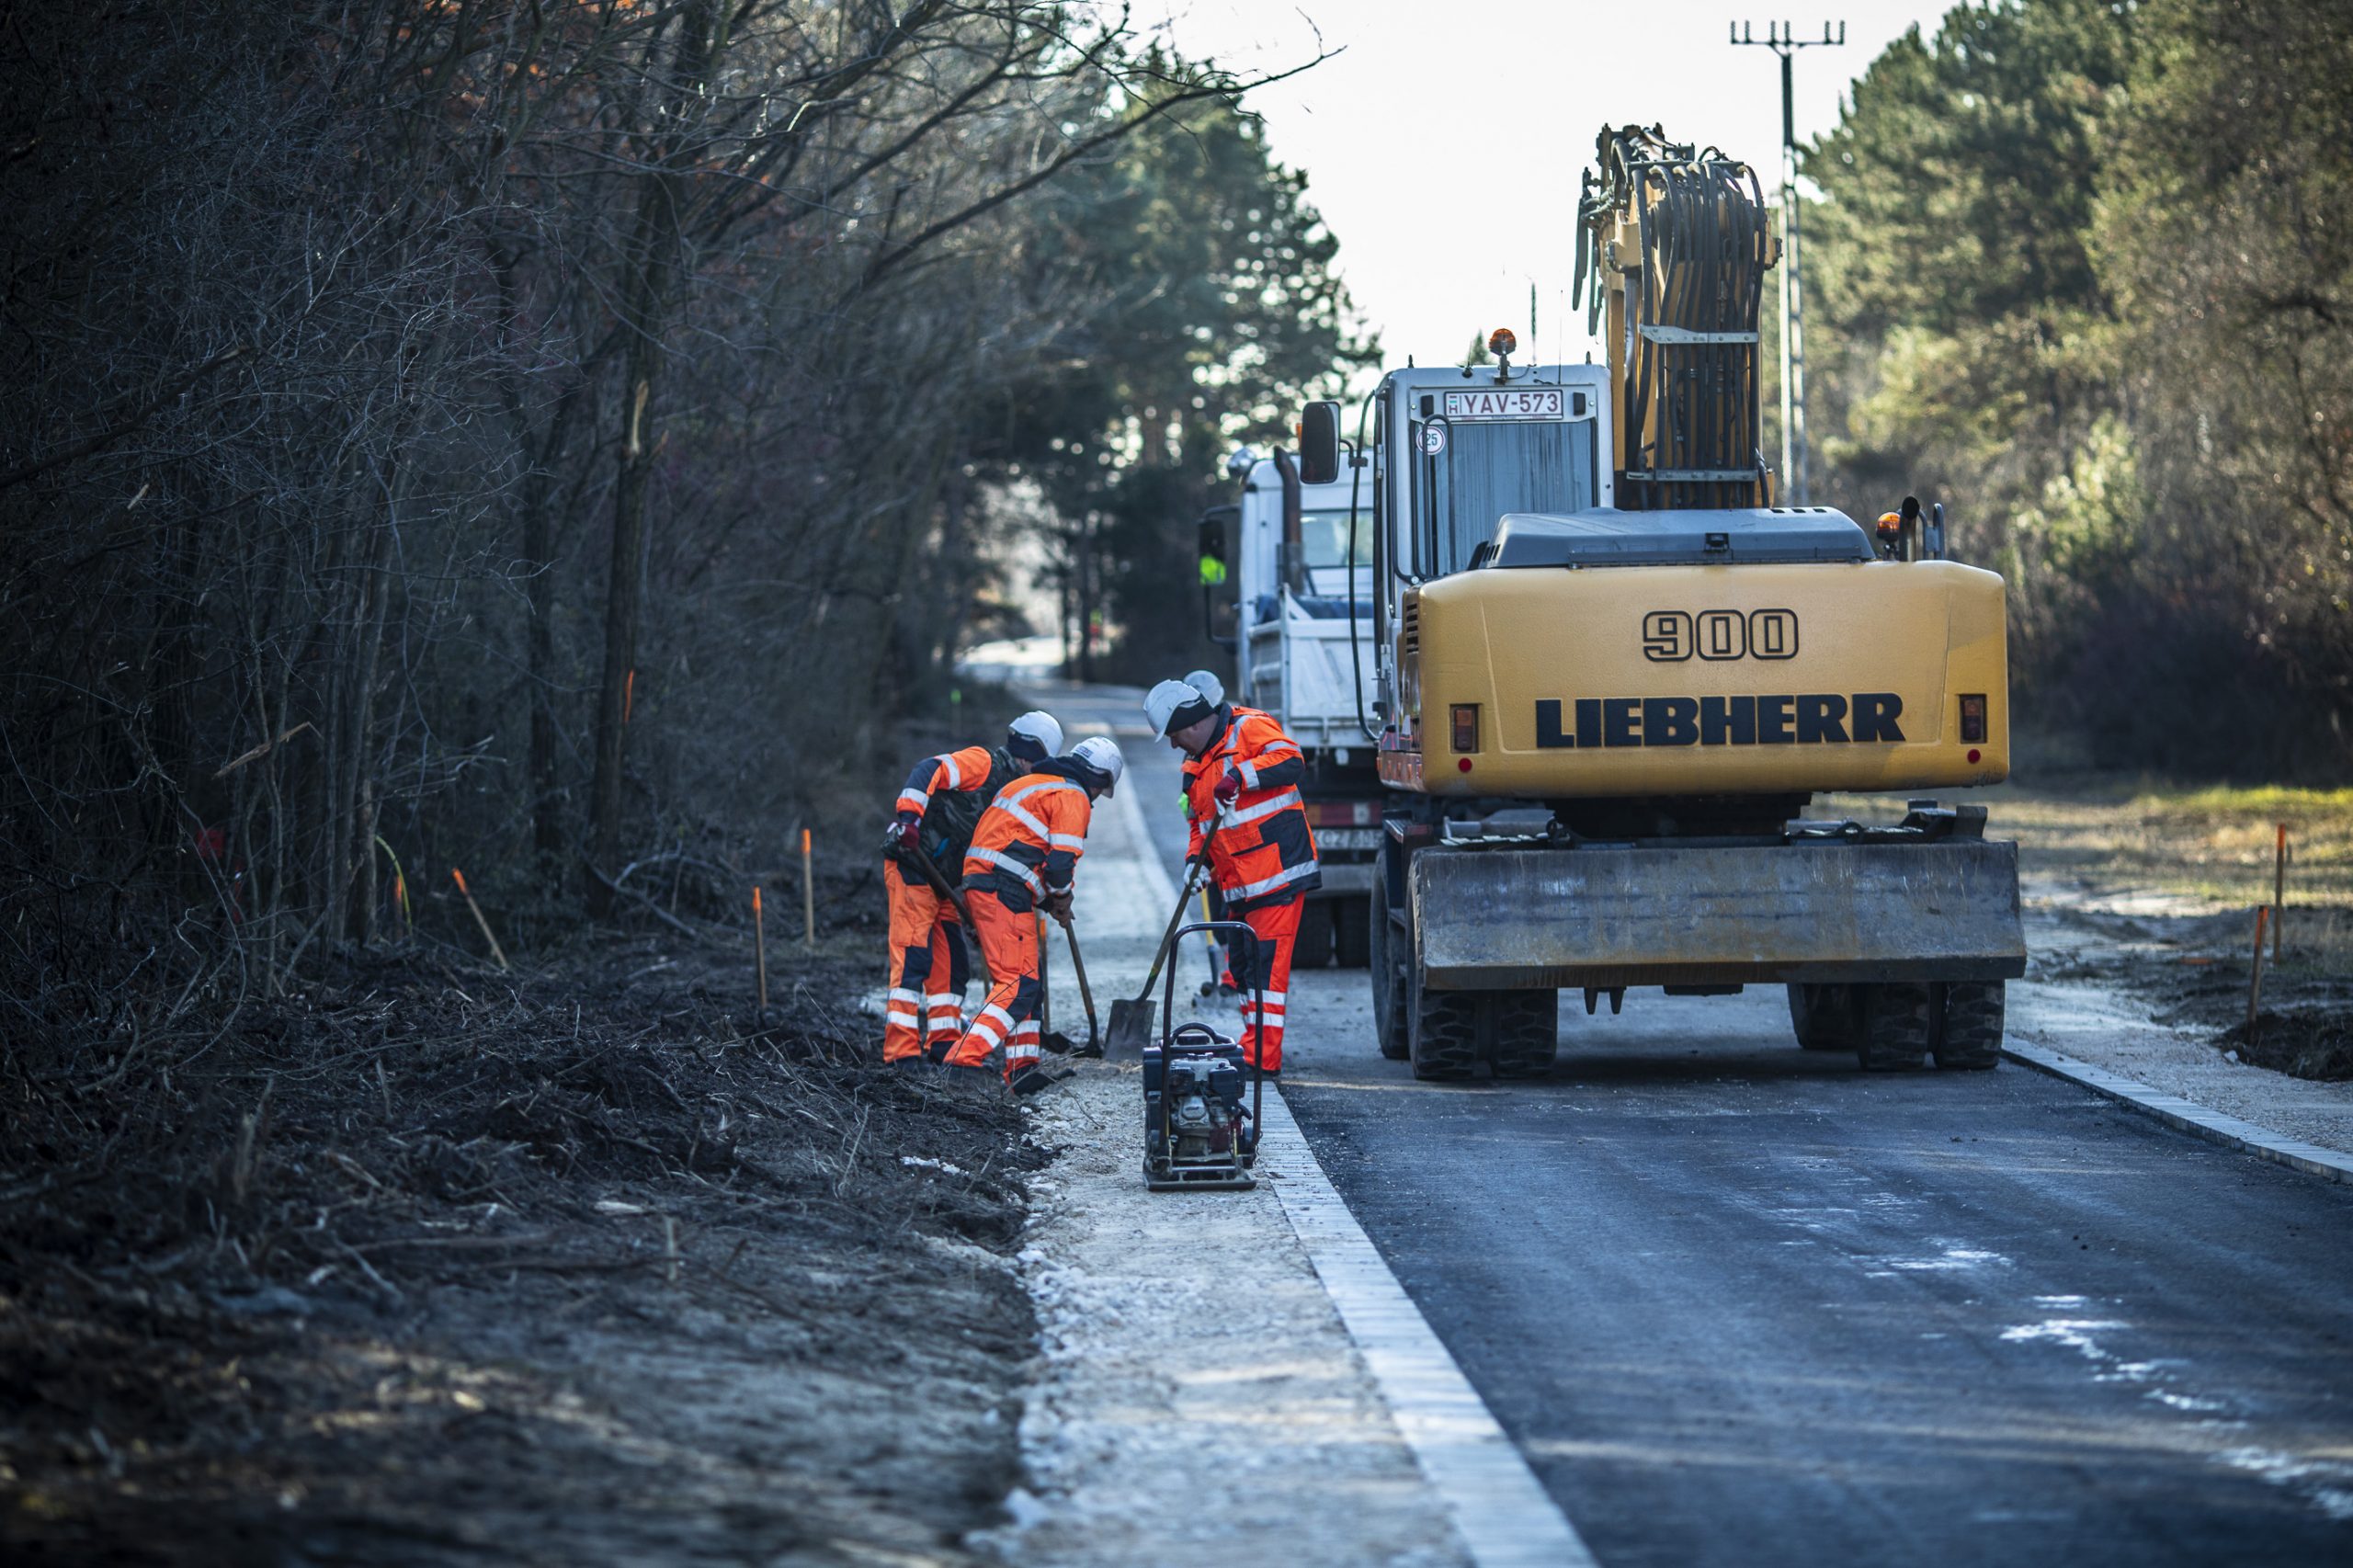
{"type": "Point", "coordinates": [808, 897]}
{"type": "Point", "coordinates": [2254, 974]}
{"type": "Point", "coordinates": [2279, 896]}
{"type": "Point", "coordinates": [760, 953]}
{"type": "Point", "coordinates": [495, 952]}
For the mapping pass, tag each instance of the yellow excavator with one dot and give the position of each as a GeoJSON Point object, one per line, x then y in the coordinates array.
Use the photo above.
{"type": "Point", "coordinates": [1612, 674]}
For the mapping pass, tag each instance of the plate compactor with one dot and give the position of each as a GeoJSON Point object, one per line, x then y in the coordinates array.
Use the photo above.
{"type": "Point", "coordinates": [1198, 1134]}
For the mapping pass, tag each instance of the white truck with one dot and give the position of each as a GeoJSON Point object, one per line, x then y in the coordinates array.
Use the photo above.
{"type": "Point", "coordinates": [1276, 581]}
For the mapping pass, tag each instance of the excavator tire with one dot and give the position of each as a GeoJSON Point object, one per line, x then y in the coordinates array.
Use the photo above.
{"type": "Point", "coordinates": [1968, 1031]}
{"type": "Point", "coordinates": [1526, 1027]}
{"type": "Point", "coordinates": [1311, 949]}
{"type": "Point", "coordinates": [1445, 1027]}
{"type": "Point", "coordinates": [1390, 960]}
{"type": "Point", "coordinates": [1352, 931]}
{"type": "Point", "coordinates": [1897, 1027]}
{"type": "Point", "coordinates": [1825, 1017]}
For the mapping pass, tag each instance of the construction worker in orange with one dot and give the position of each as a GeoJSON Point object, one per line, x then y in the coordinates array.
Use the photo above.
{"type": "Point", "coordinates": [1242, 779]}
{"type": "Point", "coordinates": [1023, 857]}
{"type": "Point", "coordinates": [938, 807]}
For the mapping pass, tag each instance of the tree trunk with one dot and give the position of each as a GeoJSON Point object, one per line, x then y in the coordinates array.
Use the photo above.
{"type": "Point", "coordinates": [539, 600]}
{"type": "Point", "coordinates": [645, 307]}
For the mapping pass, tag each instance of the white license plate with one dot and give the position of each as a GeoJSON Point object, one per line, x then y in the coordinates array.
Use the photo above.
{"type": "Point", "coordinates": [1347, 838]}
{"type": "Point", "coordinates": [1506, 402]}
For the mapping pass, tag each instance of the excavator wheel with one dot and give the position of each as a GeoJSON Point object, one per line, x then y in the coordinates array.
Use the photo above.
{"type": "Point", "coordinates": [1897, 1025]}
{"type": "Point", "coordinates": [1527, 1032]}
{"type": "Point", "coordinates": [1390, 960]}
{"type": "Point", "coordinates": [1311, 949]}
{"type": "Point", "coordinates": [1444, 1030]}
{"type": "Point", "coordinates": [1351, 931]}
{"type": "Point", "coordinates": [1825, 1017]}
{"type": "Point", "coordinates": [1969, 1026]}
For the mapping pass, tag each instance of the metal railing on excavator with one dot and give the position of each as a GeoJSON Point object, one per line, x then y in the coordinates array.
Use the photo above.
{"type": "Point", "coordinates": [1675, 241]}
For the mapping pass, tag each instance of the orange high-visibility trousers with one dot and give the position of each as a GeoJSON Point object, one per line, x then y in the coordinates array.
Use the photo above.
{"type": "Point", "coordinates": [1262, 1033]}
{"type": "Point", "coordinates": [929, 968]}
{"type": "Point", "coordinates": [1008, 1017]}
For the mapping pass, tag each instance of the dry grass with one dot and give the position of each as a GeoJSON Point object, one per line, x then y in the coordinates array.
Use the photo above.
{"type": "Point", "coordinates": [2189, 849]}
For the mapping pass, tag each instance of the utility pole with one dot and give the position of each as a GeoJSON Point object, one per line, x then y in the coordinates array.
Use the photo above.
{"type": "Point", "coordinates": [1782, 40]}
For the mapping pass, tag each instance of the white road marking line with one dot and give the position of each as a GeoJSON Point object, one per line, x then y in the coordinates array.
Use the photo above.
{"type": "Point", "coordinates": [1505, 1516]}
{"type": "Point", "coordinates": [2188, 1114]}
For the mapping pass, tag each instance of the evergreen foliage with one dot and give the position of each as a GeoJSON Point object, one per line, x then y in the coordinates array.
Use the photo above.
{"type": "Point", "coordinates": [2084, 271]}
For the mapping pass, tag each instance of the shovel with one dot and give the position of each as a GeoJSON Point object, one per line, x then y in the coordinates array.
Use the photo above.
{"type": "Point", "coordinates": [1048, 1037]}
{"type": "Point", "coordinates": [1094, 1046]}
{"type": "Point", "coordinates": [1131, 1016]}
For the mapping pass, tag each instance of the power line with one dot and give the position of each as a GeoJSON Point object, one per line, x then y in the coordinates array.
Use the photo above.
{"type": "Point", "coordinates": [1782, 40]}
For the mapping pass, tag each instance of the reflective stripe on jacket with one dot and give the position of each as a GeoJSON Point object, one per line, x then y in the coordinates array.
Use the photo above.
{"type": "Point", "coordinates": [1265, 852]}
{"type": "Point", "coordinates": [950, 792]}
{"type": "Point", "coordinates": [1029, 839]}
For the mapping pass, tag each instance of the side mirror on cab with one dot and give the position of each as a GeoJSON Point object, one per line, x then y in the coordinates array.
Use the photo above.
{"type": "Point", "coordinates": [1319, 443]}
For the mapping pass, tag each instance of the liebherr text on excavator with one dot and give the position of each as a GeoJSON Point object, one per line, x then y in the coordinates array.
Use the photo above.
{"type": "Point", "coordinates": [1612, 675]}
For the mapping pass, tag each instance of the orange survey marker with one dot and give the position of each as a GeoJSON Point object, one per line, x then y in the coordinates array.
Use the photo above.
{"type": "Point", "coordinates": [760, 951]}
{"type": "Point", "coordinates": [808, 896]}
{"type": "Point", "coordinates": [2279, 896]}
{"type": "Point", "coordinates": [495, 952]}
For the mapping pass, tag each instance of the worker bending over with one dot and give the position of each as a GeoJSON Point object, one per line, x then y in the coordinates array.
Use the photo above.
{"type": "Point", "coordinates": [938, 807]}
{"type": "Point", "coordinates": [1242, 778]}
{"type": "Point", "coordinates": [1023, 857]}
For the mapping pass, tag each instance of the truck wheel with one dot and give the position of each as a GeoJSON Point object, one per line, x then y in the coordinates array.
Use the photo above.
{"type": "Point", "coordinates": [1352, 931]}
{"type": "Point", "coordinates": [1527, 1032]}
{"type": "Point", "coordinates": [1313, 947]}
{"type": "Point", "coordinates": [1969, 1026]}
{"type": "Point", "coordinates": [1825, 1017]}
{"type": "Point", "coordinates": [1390, 958]}
{"type": "Point", "coordinates": [1896, 1023]}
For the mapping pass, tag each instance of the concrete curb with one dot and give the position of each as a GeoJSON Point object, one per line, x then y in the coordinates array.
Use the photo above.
{"type": "Point", "coordinates": [1502, 1514]}
{"type": "Point", "coordinates": [2187, 1115]}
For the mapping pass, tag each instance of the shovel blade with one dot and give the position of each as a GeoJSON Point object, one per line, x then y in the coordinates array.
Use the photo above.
{"type": "Point", "coordinates": [1130, 1030]}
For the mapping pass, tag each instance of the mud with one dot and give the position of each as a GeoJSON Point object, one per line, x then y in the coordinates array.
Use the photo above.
{"type": "Point", "coordinates": [433, 1265]}
{"type": "Point", "coordinates": [2192, 967]}
{"type": "Point", "coordinates": [2314, 1042]}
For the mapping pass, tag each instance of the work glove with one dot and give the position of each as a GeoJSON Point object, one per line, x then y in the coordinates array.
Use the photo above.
{"type": "Point", "coordinates": [1229, 789]}
{"type": "Point", "coordinates": [1058, 905]}
{"type": "Point", "coordinates": [901, 834]}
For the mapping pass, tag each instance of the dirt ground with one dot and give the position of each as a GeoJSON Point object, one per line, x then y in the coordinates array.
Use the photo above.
{"type": "Point", "coordinates": [432, 1264]}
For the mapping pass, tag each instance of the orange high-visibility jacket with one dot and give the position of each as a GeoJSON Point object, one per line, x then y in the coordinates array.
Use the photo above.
{"type": "Point", "coordinates": [1029, 840]}
{"type": "Point", "coordinates": [949, 792]}
{"type": "Point", "coordinates": [1264, 852]}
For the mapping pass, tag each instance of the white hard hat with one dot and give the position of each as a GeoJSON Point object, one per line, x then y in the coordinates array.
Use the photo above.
{"type": "Point", "coordinates": [1208, 685]}
{"type": "Point", "coordinates": [1102, 754]}
{"type": "Point", "coordinates": [1040, 730]}
{"type": "Point", "coordinates": [1170, 698]}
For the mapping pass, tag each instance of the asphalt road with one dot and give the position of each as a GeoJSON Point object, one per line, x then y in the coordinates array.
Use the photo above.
{"type": "Point", "coordinates": [1739, 1304]}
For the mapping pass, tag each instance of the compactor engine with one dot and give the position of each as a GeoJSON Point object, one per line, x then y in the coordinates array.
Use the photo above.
{"type": "Point", "coordinates": [1613, 673]}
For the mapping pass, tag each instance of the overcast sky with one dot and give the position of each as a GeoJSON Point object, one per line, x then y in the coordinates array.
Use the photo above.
{"type": "Point", "coordinates": [1444, 143]}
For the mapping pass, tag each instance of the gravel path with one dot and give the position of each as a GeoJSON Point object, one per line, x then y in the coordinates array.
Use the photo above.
{"type": "Point", "coordinates": [1196, 1387]}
